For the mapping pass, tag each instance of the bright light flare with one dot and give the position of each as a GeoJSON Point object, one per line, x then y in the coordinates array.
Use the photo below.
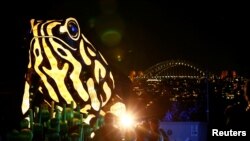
{"type": "Point", "coordinates": [127, 121]}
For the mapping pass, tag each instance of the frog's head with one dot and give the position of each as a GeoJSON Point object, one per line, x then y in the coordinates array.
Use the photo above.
{"type": "Point", "coordinates": [65, 67]}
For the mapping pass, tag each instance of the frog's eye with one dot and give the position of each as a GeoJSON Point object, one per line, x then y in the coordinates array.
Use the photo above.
{"type": "Point", "coordinates": [73, 29]}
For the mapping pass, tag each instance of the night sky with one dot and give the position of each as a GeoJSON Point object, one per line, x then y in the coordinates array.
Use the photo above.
{"type": "Point", "coordinates": [212, 35]}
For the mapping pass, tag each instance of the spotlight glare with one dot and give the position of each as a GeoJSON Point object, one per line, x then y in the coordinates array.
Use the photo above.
{"type": "Point", "coordinates": [127, 120]}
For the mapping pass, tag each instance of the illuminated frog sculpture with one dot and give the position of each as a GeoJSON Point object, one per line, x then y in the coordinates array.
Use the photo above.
{"type": "Point", "coordinates": [65, 67]}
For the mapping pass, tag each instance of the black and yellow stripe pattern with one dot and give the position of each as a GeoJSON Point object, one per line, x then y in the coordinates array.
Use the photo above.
{"type": "Point", "coordinates": [65, 67]}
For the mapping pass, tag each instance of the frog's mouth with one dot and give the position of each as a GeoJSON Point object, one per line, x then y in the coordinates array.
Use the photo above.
{"type": "Point", "coordinates": [55, 41]}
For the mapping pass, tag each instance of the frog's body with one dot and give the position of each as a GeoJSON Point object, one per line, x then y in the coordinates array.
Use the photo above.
{"type": "Point", "coordinates": [65, 67]}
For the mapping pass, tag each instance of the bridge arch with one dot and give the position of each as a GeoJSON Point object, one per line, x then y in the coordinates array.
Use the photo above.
{"type": "Point", "coordinates": [174, 68]}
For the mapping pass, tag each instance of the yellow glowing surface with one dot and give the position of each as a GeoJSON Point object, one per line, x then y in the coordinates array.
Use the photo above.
{"type": "Point", "coordinates": [95, 103]}
{"type": "Point", "coordinates": [91, 52]}
{"type": "Point", "coordinates": [85, 109]}
{"type": "Point", "coordinates": [118, 109]}
{"type": "Point", "coordinates": [85, 57]}
{"type": "Point", "coordinates": [99, 68]}
{"type": "Point", "coordinates": [107, 91]}
{"type": "Point", "coordinates": [38, 61]}
{"type": "Point", "coordinates": [111, 76]}
{"type": "Point", "coordinates": [57, 75]}
{"type": "Point", "coordinates": [26, 97]}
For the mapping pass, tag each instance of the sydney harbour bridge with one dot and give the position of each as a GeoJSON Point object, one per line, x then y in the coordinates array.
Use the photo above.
{"type": "Point", "coordinates": [185, 92]}
{"type": "Point", "coordinates": [174, 68]}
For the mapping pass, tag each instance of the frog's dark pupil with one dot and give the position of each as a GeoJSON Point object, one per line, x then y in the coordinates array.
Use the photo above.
{"type": "Point", "coordinates": [73, 29]}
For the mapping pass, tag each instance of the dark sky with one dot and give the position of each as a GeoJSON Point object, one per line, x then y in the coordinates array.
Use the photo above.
{"type": "Point", "coordinates": [210, 34]}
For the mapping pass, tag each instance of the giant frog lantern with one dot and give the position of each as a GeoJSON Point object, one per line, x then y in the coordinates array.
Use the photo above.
{"type": "Point", "coordinates": [64, 67]}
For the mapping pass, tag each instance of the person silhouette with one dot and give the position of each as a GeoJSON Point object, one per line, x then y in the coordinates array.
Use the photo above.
{"type": "Point", "coordinates": [108, 131]}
